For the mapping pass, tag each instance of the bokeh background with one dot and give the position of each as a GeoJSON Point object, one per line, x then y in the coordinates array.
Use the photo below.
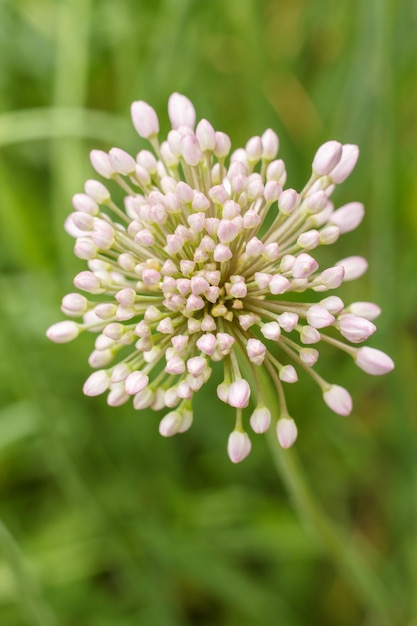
{"type": "Point", "coordinates": [103, 522]}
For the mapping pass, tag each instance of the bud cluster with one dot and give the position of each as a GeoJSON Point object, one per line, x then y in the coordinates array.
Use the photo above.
{"type": "Point", "coordinates": [199, 265]}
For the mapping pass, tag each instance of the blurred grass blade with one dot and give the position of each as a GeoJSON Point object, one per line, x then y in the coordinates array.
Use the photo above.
{"type": "Point", "coordinates": [56, 122]}
{"type": "Point", "coordinates": [35, 608]}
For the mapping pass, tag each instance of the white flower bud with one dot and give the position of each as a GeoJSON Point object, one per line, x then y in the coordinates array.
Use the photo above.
{"type": "Point", "coordinates": [373, 361]}
{"type": "Point", "coordinates": [144, 118]}
{"type": "Point", "coordinates": [327, 157]}
{"type": "Point", "coordinates": [338, 399]}
{"type": "Point", "coordinates": [62, 332]}
{"type": "Point", "coordinates": [181, 111]}
{"type": "Point", "coordinates": [286, 432]}
{"type": "Point", "coordinates": [238, 446]}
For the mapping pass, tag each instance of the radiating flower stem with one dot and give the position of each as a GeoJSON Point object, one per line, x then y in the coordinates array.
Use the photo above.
{"type": "Point", "coordinates": [37, 612]}
{"type": "Point", "coordinates": [344, 554]}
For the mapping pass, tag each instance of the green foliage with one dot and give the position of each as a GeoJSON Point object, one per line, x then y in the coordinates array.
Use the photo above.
{"type": "Point", "coordinates": [103, 522]}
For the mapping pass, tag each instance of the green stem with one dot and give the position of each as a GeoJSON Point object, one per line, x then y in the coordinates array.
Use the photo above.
{"type": "Point", "coordinates": [37, 612]}
{"type": "Point", "coordinates": [346, 556]}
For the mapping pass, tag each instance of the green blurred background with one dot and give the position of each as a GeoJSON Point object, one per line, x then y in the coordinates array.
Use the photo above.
{"type": "Point", "coordinates": [103, 522]}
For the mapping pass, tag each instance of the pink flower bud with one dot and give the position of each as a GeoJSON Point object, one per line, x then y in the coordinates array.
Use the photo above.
{"type": "Point", "coordinates": [333, 304]}
{"type": "Point", "coordinates": [230, 210]}
{"type": "Point", "coordinates": [309, 240]}
{"type": "Point", "coordinates": [256, 351]}
{"type": "Point", "coordinates": [319, 317]}
{"type": "Point", "coordinates": [224, 342]}
{"type": "Point", "coordinates": [97, 383]}
{"type": "Point", "coordinates": [97, 191]}
{"type": "Point", "coordinates": [278, 284]}
{"type": "Point", "coordinates": [74, 304]}
{"type": "Point", "coordinates": [190, 150]}
{"type": "Point", "coordinates": [260, 419]}
{"type": "Point", "coordinates": [186, 420]}
{"type": "Point", "coordinates": [338, 400]}
{"type": "Point", "coordinates": [101, 162]}
{"type": "Point", "coordinates": [354, 266]}
{"type": "Point", "coordinates": [288, 321]}
{"type": "Point", "coordinates": [181, 111]}
{"type": "Point", "coordinates": [223, 145]}
{"type": "Point", "coordinates": [174, 244]}
{"type": "Point", "coordinates": [332, 277]}
{"type": "Point", "coordinates": [276, 171]}
{"type": "Point", "coordinates": [170, 424]}
{"type": "Point", "coordinates": [85, 248]}
{"type": "Point", "coordinates": [262, 279]}
{"type": "Point", "coordinates": [354, 328]}
{"type": "Point", "coordinates": [368, 310]}
{"type": "Point", "coordinates": [165, 326]}
{"type": "Point", "coordinates": [126, 296]}
{"type": "Point", "coordinates": [87, 281]}
{"type": "Point", "coordinates": [136, 382]}
{"type": "Point", "coordinates": [196, 365]}
{"type": "Point", "coordinates": [144, 118]}
{"type": "Point", "coordinates": [288, 201]}
{"type": "Point", "coordinates": [288, 374]}
{"type": "Point", "coordinates": [142, 175]}
{"type": "Point", "coordinates": [208, 322]}
{"type": "Point", "coordinates": [180, 342]}
{"type": "Point", "coordinates": [286, 432]}
{"type": "Point", "coordinates": [239, 394]}
{"type": "Point", "coordinates": [348, 217]}
{"type": "Point", "coordinates": [329, 235]}
{"type": "Point", "coordinates": [271, 251]}
{"type": "Point", "coordinates": [147, 160]}
{"type": "Point", "coordinates": [62, 332]}
{"type": "Point", "coordinates": [309, 356]}
{"type": "Point", "coordinates": [82, 202]}
{"type": "Point", "coordinates": [254, 149]}
{"type": "Point", "coordinates": [309, 335]}
{"type": "Point", "coordinates": [200, 202]}
{"type": "Point", "coordinates": [120, 372]}
{"type": "Point", "coordinates": [327, 157]}
{"type": "Point", "coordinates": [143, 399]}
{"type": "Point", "coordinates": [341, 171]}
{"type": "Point", "coordinates": [271, 330]}
{"type": "Point", "coordinates": [222, 253]}
{"type": "Point", "coordinates": [169, 158]}
{"type": "Point", "coordinates": [83, 221]}
{"type": "Point", "coordinates": [195, 303]}
{"type": "Point", "coordinates": [206, 135]}
{"type": "Point", "coordinates": [373, 361]}
{"type": "Point", "coordinates": [218, 194]}
{"type": "Point", "coordinates": [316, 202]}
{"type": "Point", "coordinates": [304, 265]}
{"type": "Point", "coordinates": [255, 187]}
{"type": "Point", "coordinates": [251, 219]}
{"type": "Point", "coordinates": [223, 392]}
{"type": "Point", "coordinates": [270, 145]}
{"type": "Point", "coordinates": [184, 390]}
{"type": "Point", "coordinates": [239, 157]}
{"type": "Point", "coordinates": [254, 247]}
{"type": "Point", "coordinates": [193, 326]}
{"type": "Point", "coordinates": [117, 396]}
{"type": "Point", "coordinates": [227, 231]}
{"type": "Point", "coordinates": [272, 191]}
{"type": "Point", "coordinates": [175, 366]}
{"type": "Point", "coordinates": [238, 446]}
{"type": "Point", "coordinates": [207, 344]}
{"type": "Point", "coordinates": [122, 162]}
{"type": "Point", "coordinates": [150, 277]}
{"type": "Point", "coordinates": [184, 193]}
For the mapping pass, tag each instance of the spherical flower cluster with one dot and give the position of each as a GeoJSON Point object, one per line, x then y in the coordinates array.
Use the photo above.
{"type": "Point", "coordinates": [199, 266]}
